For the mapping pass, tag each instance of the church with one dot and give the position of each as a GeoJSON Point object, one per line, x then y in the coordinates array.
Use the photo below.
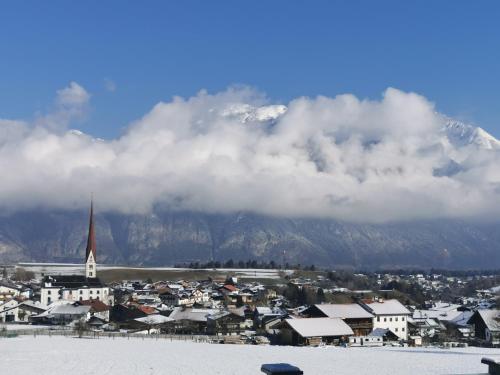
{"type": "Point", "coordinates": [78, 287]}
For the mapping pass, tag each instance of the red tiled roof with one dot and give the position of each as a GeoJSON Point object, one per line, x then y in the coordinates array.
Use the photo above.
{"type": "Point", "coordinates": [230, 287]}
{"type": "Point", "coordinates": [95, 305]}
{"type": "Point", "coordinates": [147, 309]}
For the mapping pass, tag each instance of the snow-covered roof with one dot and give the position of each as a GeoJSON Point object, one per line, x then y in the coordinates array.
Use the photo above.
{"type": "Point", "coordinates": [388, 307]}
{"type": "Point", "coordinates": [35, 304]}
{"type": "Point", "coordinates": [462, 318]}
{"type": "Point", "coordinates": [198, 315]}
{"type": "Point", "coordinates": [491, 319]}
{"type": "Point", "coordinates": [65, 309]}
{"type": "Point", "coordinates": [439, 314]}
{"type": "Point", "coordinates": [444, 306]}
{"type": "Point", "coordinates": [344, 311]}
{"type": "Point", "coordinates": [316, 327]}
{"type": "Point", "coordinates": [154, 319]}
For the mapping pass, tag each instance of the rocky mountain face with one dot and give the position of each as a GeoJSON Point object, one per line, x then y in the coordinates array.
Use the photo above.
{"type": "Point", "coordinates": [169, 238]}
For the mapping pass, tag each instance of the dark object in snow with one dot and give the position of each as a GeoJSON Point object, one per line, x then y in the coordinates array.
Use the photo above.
{"type": "Point", "coordinates": [493, 366]}
{"type": "Point", "coordinates": [280, 369]}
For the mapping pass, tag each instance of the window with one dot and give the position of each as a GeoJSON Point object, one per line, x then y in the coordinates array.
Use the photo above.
{"type": "Point", "coordinates": [403, 329]}
{"type": "Point", "coordinates": [378, 318]}
{"type": "Point", "coordinates": [390, 319]}
{"type": "Point", "coordinates": [403, 319]}
{"type": "Point", "coordinates": [385, 319]}
{"type": "Point", "coordinates": [395, 329]}
{"type": "Point", "coordinates": [98, 291]}
{"type": "Point", "coordinates": [91, 291]}
{"type": "Point", "coordinates": [81, 291]}
{"type": "Point", "coordinates": [396, 318]}
{"type": "Point", "coordinates": [91, 267]}
{"type": "Point", "coordinates": [49, 292]}
{"type": "Point", "coordinates": [48, 300]}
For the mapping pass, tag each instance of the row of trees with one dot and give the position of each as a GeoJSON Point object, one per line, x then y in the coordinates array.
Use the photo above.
{"type": "Point", "coordinates": [245, 264]}
{"type": "Point", "coordinates": [20, 274]}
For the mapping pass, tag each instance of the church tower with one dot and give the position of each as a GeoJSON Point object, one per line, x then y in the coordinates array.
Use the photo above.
{"type": "Point", "coordinates": [90, 253]}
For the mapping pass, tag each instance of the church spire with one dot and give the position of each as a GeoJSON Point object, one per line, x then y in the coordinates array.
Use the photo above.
{"type": "Point", "coordinates": [90, 253]}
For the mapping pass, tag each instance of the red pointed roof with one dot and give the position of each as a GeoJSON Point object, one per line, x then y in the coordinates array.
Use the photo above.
{"type": "Point", "coordinates": [91, 237]}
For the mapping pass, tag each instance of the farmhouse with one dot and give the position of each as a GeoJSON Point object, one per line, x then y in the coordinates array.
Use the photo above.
{"type": "Point", "coordinates": [487, 326]}
{"type": "Point", "coordinates": [314, 331]}
{"type": "Point", "coordinates": [356, 317]}
{"type": "Point", "coordinates": [389, 314]}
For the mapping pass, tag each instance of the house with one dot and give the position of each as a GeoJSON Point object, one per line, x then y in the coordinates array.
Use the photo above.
{"type": "Point", "coordinates": [189, 320]}
{"type": "Point", "coordinates": [8, 288]}
{"type": "Point", "coordinates": [264, 317]}
{"type": "Point", "coordinates": [9, 311]}
{"type": "Point", "coordinates": [62, 313]}
{"type": "Point", "coordinates": [424, 327]}
{"type": "Point", "coordinates": [314, 331]}
{"type": "Point", "coordinates": [356, 317]}
{"type": "Point", "coordinates": [486, 326]}
{"type": "Point", "coordinates": [124, 315]}
{"type": "Point", "coordinates": [368, 341]}
{"type": "Point", "coordinates": [28, 308]}
{"type": "Point", "coordinates": [98, 309]}
{"type": "Point", "coordinates": [227, 323]}
{"type": "Point", "coordinates": [389, 314]}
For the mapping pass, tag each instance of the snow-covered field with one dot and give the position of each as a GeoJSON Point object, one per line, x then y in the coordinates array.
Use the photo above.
{"type": "Point", "coordinates": [79, 269]}
{"type": "Point", "coordinates": [67, 355]}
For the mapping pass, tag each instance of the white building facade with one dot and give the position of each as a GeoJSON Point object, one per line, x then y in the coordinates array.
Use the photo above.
{"type": "Point", "coordinates": [390, 314]}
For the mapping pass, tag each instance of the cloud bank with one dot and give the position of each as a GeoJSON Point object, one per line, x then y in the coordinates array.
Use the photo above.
{"type": "Point", "coordinates": [342, 157]}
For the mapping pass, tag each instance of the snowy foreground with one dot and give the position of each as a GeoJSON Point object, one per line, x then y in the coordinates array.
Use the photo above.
{"type": "Point", "coordinates": [67, 355]}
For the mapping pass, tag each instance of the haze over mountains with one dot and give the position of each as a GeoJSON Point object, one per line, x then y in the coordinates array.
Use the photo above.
{"type": "Point", "coordinates": [333, 181]}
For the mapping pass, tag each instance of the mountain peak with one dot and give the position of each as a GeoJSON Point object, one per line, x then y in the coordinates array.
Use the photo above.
{"type": "Point", "coordinates": [462, 134]}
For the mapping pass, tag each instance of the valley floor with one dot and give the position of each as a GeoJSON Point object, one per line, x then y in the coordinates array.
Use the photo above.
{"type": "Point", "coordinates": [67, 355]}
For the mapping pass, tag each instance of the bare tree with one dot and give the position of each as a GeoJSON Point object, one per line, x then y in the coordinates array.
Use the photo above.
{"type": "Point", "coordinates": [80, 327]}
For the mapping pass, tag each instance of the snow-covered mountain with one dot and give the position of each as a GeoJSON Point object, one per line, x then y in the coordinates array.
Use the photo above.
{"type": "Point", "coordinates": [247, 113]}
{"type": "Point", "coordinates": [461, 134]}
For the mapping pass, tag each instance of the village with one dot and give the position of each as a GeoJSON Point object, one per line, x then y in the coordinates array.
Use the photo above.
{"type": "Point", "coordinates": [299, 307]}
{"type": "Point", "coordinates": [304, 311]}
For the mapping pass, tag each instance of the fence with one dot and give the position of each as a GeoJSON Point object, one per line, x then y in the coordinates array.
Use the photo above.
{"type": "Point", "coordinates": [68, 332]}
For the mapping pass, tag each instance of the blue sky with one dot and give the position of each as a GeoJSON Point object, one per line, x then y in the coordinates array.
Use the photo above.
{"type": "Point", "coordinates": [448, 51]}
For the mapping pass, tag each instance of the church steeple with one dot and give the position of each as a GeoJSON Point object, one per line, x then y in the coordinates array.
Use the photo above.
{"type": "Point", "coordinates": [90, 253]}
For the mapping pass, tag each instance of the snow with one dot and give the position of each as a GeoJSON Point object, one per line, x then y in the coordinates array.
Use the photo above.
{"type": "Point", "coordinates": [388, 307]}
{"type": "Point", "coordinates": [154, 319]}
{"type": "Point", "coordinates": [79, 269]}
{"type": "Point", "coordinates": [247, 113]}
{"type": "Point", "coordinates": [66, 355]}
{"type": "Point", "coordinates": [462, 134]}
{"type": "Point", "coordinates": [348, 310]}
{"type": "Point", "coordinates": [315, 327]}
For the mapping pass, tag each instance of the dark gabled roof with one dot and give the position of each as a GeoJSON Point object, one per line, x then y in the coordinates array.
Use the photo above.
{"type": "Point", "coordinates": [72, 281]}
{"type": "Point", "coordinates": [491, 319]}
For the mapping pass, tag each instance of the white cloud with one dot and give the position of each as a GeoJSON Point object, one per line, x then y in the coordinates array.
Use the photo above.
{"type": "Point", "coordinates": [73, 95]}
{"type": "Point", "coordinates": [109, 85]}
{"type": "Point", "coordinates": [71, 104]}
{"type": "Point", "coordinates": [339, 157]}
